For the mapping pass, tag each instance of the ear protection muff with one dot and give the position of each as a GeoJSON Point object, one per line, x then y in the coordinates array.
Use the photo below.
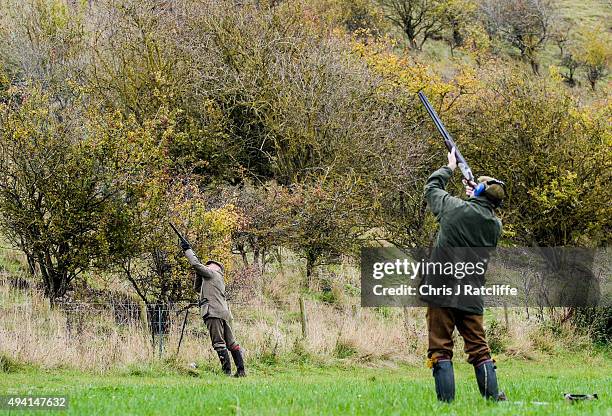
{"type": "Point", "coordinates": [480, 188]}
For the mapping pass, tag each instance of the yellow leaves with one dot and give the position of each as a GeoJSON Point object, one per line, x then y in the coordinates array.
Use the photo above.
{"type": "Point", "coordinates": [554, 72]}
{"type": "Point", "coordinates": [5, 82]}
{"type": "Point", "coordinates": [361, 17]}
{"type": "Point", "coordinates": [546, 145]}
{"type": "Point", "coordinates": [58, 22]}
{"type": "Point", "coordinates": [509, 231]}
{"type": "Point", "coordinates": [59, 13]}
{"type": "Point", "coordinates": [467, 80]}
{"type": "Point", "coordinates": [595, 50]}
{"type": "Point", "coordinates": [561, 191]}
{"type": "Point", "coordinates": [222, 221]}
{"type": "Point", "coordinates": [404, 73]}
{"type": "Point", "coordinates": [160, 77]}
{"type": "Point", "coordinates": [210, 230]}
{"type": "Point", "coordinates": [580, 118]}
{"type": "Point", "coordinates": [211, 110]}
{"type": "Point", "coordinates": [461, 6]}
{"type": "Point", "coordinates": [220, 225]}
{"type": "Point", "coordinates": [477, 41]}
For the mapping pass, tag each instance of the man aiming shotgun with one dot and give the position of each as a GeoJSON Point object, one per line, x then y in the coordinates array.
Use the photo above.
{"type": "Point", "coordinates": [470, 223]}
{"type": "Point", "coordinates": [210, 285]}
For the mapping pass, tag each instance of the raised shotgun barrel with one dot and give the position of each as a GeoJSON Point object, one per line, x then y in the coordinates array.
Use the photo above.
{"type": "Point", "coordinates": [180, 236]}
{"type": "Point", "coordinates": [448, 140]}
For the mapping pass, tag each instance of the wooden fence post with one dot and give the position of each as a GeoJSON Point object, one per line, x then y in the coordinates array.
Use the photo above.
{"type": "Point", "coordinates": [303, 318]}
{"type": "Point", "coordinates": [507, 319]}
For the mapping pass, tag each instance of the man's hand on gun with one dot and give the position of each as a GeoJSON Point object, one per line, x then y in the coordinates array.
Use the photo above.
{"type": "Point", "coordinates": [184, 244]}
{"type": "Point", "coordinates": [469, 190]}
{"type": "Point", "coordinates": [182, 240]}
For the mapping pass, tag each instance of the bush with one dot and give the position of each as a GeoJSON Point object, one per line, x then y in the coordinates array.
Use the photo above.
{"type": "Point", "coordinates": [597, 322]}
{"type": "Point", "coordinates": [8, 364]}
{"type": "Point", "coordinates": [553, 153]}
{"type": "Point", "coordinates": [344, 349]}
{"type": "Point", "coordinates": [497, 336]}
{"type": "Point", "coordinates": [299, 352]}
{"type": "Point", "coordinates": [66, 226]}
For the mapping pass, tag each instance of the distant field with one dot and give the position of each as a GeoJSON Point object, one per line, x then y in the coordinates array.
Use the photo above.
{"type": "Point", "coordinates": [586, 12]}
{"type": "Point", "coordinates": [278, 391]}
{"type": "Point", "coordinates": [582, 15]}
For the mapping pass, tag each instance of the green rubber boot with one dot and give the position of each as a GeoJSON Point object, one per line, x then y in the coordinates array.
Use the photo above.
{"type": "Point", "coordinates": [445, 380]}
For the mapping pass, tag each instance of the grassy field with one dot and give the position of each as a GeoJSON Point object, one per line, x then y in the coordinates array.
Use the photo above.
{"type": "Point", "coordinates": [533, 388]}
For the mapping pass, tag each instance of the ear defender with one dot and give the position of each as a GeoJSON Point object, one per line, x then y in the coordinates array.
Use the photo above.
{"type": "Point", "coordinates": [480, 188]}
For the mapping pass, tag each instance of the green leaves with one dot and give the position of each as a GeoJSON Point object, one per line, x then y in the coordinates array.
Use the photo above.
{"type": "Point", "coordinates": [69, 186]}
{"type": "Point", "coordinates": [551, 151]}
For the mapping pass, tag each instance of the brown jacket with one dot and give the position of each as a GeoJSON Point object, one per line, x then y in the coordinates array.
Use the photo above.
{"type": "Point", "coordinates": [211, 287]}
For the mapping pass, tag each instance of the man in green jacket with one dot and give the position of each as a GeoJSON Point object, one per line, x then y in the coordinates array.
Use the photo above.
{"type": "Point", "coordinates": [472, 226]}
{"type": "Point", "coordinates": [209, 283]}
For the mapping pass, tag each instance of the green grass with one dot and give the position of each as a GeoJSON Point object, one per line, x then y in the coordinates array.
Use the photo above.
{"type": "Point", "coordinates": [11, 260]}
{"type": "Point", "coordinates": [581, 15]}
{"type": "Point", "coordinates": [272, 391]}
{"type": "Point", "coordinates": [585, 12]}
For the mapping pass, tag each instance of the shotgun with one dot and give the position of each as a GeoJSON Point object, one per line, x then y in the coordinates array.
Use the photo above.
{"type": "Point", "coordinates": [180, 236]}
{"type": "Point", "coordinates": [448, 140]}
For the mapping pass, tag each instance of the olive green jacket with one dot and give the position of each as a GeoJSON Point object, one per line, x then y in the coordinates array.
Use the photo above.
{"type": "Point", "coordinates": [211, 287]}
{"type": "Point", "coordinates": [471, 224]}
{"type": "Point", "coordinates": [463, 223]}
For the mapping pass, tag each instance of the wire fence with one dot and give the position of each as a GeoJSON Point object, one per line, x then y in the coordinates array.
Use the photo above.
{"type": "Point", "coordinates": [120, 329]}
{"type": "Point", "coordinates": [162, 322]}
{"type": "Point", "coordinates": [162, 329]}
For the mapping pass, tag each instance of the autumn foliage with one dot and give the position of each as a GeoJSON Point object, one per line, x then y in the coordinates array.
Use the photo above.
{"type": "Point", "coordinates": [292, 125]}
